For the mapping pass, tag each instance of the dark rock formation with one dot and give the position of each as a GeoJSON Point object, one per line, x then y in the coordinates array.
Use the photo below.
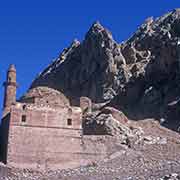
{"type": "Point", "coordinates": [87, 69]}
{"type": "Point", "coordinates": [140, 77]}
{"type": "Point", "coordinates": [152, 57]}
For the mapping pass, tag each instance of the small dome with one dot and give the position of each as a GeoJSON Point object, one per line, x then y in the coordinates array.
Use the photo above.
{"type": "Point", "coordinates": [45, 95]}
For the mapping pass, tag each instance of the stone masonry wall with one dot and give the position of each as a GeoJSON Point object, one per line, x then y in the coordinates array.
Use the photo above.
{"type": "Point", "coordinates": [40, 137]}
{"type": "Point", "coordinates": [43, 148]}
{"type": "Point", "coordinates": [45, 116]}
{"type": "Point", "coordinates": [49, 149]}
{"type": "Point", "coordinates": [45, 140]}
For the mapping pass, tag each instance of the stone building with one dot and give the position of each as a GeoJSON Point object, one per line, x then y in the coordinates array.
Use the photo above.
{"type": "Point", "coordinates": [41, 130]}
{"type": "Point", "coordinates": [44, 131]}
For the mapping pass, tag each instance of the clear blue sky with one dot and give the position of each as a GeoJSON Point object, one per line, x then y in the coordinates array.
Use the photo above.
{"type": "Point", "coordinates": [33, 32]}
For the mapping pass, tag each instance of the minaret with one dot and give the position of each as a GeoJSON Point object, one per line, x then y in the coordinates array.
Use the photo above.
{"type": "Point", "coordinates": [10, 86]}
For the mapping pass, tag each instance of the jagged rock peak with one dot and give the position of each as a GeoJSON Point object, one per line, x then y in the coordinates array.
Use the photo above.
{"type": "Point", "coordinates": [177, 10]}
{"type": "Point", "coordinates": [87, 68]}
{"type": "Point", "coordinates": [149, 20]}
{"type": "Point", "coordinates": [97, 30]}
{"type": "Point", "coordinates": [75, 43]}
{"type": "Point", "coordinates": [141, 74]}
{"type": "Point", "coordinates": [97, 26]}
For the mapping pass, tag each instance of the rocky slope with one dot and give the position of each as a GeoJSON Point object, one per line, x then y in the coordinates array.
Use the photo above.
{"type": "Point", "coordinates": [139, 77]}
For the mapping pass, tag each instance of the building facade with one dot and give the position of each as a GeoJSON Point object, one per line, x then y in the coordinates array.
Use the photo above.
{"type": "Point", "coordinates": [40, 131]}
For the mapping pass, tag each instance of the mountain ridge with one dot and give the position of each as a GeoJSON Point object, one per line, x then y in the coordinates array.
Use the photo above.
{"type": "Point", "coordinates": [139, 76]}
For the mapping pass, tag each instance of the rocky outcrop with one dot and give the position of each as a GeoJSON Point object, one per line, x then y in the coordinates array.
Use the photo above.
{"type": "Point", "coordinates": [103, 124]}
{"type": "Point", "coordinates": [140, 76]}
{"type": "Point", "coordinates": [86, 69]}
{"type": "Point", "coordinates": [152, 57]}
{"type": "Point", "coordinates": [110, 121]}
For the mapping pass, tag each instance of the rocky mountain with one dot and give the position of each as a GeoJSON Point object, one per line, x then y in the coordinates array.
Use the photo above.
{"type": "Point", "coordinates": [136, 80]}
{"type": "Point", "coordinates": [88, 69]}
{"type": "Point", "coordinates": [140, 76]}
{"type": "Point", "coordinates": [152, 56]}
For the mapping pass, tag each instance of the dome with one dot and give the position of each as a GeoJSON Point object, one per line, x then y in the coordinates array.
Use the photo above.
{"type": "Point", "coordinates": [45, 95]}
